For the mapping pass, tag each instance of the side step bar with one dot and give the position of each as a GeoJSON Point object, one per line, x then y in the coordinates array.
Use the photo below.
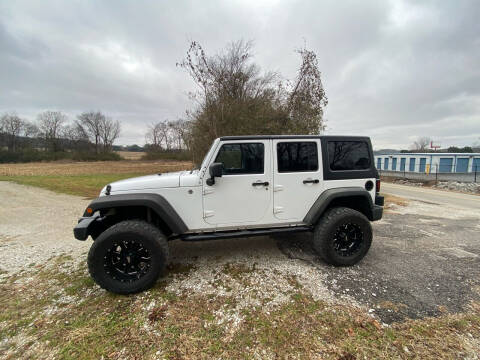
{"type": "Point", "coordinates": [243, 233]}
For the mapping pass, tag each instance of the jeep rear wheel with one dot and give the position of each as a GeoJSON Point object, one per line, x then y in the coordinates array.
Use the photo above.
{"type": "Point", "coordinates": [342, 237]}
{"type": "Point", "coordinates": [128, 257]}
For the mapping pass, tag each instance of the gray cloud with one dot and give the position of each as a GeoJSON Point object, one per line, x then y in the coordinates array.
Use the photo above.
{"type": "Point", "coordinates": [393, 70]}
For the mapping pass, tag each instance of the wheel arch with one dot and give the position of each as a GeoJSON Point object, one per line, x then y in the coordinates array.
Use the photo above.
{"type": "Point", "coordinates": [355, 198]}
{"type": "Point", "coordinates": [150, 207]}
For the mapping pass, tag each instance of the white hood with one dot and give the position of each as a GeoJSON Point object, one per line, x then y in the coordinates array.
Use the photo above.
{"type": "Point", "coordinates": [156, 181]}
{"type": "Point", "coordinates": [151, 182]}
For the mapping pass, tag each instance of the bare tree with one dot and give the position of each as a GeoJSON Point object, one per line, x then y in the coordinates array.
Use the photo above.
{"type": "Point", "coordinates": [30, 133]}
{"type": "Point", "coordinates": [31, 130]}
{"type": "Point", "coordinates": [91, 124]}
{"type": "Point", "coordinates": [235, 98]}
{"type": "Point", "coordinates": [12, 126]}
{"type": "Point", "coordinates": [51, 124]}
{"type": "Point", "coordinates": [178, 130]}
{"type": "Point", "coordinates": [75, 137]}
{"type": "Point", "coordinates": [156, 135]}
{"type": "Point", "coordinates": [109, 132]}
{"type": "Point", "coordinates": [307, 97]}
{"type": "Point", "coordinates": [421, 144]}
{"type": "Point", "coordinates": [167, 135]}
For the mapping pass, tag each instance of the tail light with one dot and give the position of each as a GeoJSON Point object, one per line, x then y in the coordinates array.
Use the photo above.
{"type": "Point", "coordinates": [377, 186]}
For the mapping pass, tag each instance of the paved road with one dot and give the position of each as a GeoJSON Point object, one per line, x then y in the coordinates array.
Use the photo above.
{"type": "Point", "coordinates": [440, 197]}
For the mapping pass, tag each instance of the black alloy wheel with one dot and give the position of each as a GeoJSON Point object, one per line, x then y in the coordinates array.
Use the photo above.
{"type": "Point", "coordinates": [348, 239]}
{"type": "Point", "coordinates": [127, 261]}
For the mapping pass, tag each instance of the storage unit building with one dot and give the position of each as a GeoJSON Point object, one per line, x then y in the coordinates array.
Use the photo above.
{"type": "Point", "coordinates": [429, 162]}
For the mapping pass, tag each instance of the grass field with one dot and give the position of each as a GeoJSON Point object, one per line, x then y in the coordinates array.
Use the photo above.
{"type": "Point", "coordinates": [83, 178]}
{"type": "Point", "coordinates": [58, 312]}
{"type": "Point", "coordinates": [131, 155]}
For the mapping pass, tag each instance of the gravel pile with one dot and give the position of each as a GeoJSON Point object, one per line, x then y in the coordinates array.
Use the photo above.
{"type": "Point", "coordinates": [408, 182]}
{"type": "Point", "coordinates": [473, 188]}
{"type": "Point", "coordinates": [468, 187]}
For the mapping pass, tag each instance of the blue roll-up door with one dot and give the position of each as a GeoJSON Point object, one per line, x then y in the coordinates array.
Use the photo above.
{"type": "Point", "coordinates": [462, 165]}
{"type": "Point", "coordinates": [386, 164]}
{"type": "Point", "coordinates": [423, 162]}
{"type": "Point", "coordinates": [445, 165]}
{"type": "Point", "coordinates": [402, 164]}
{"type": "Point", "coordinates": [379, 163]}
{"type": "Point", "coordinates": [476, 165]}
{"type": "Point", "coordinates": [412, 165]}
{"type": "Point", "coordinates": [394, 164]}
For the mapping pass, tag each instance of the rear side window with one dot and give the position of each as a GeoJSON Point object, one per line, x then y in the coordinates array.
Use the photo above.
{"type": "Point", "coordinates": [348, 155]}
{"type": "Point", "coordinates": [244, 158]}
{"type": "Point", "coordinates": [297, 156]}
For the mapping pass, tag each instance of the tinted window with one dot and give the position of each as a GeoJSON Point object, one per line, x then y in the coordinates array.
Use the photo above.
{"type": "Point", "coordinates": [349, 155]}
{"type": "Point", "coordinates": [241, 158]}
{"type": "Point", "coordinates": [297, 156]}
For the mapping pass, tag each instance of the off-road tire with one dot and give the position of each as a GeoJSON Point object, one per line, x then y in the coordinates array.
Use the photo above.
{"type": "Point", "coordinates": [142, 234]}
{"type": "Point", "coordinates": [326, 229]}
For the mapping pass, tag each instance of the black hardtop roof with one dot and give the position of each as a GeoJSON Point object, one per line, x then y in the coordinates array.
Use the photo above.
{"type": "Point", "coordinates": [264, 137]}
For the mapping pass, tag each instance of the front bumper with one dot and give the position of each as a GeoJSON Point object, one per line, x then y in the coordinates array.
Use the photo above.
{"type": "Point", "coordinates": [84, 227]}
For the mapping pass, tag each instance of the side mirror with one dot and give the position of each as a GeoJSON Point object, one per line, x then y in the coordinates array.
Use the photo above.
{"type": "Point", "coordinates": [215, 170]}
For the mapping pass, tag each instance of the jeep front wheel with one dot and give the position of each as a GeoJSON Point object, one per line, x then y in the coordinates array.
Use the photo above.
{"type": "Point", "coordinates": [128, 257]}
{"type": "Point", "coordinates": [342, 237]}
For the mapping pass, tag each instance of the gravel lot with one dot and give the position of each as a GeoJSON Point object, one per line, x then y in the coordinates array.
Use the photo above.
{"type": "Point", "coordinates": [425, 258]}
{"type": "Point", "coordinates": [35, 225]}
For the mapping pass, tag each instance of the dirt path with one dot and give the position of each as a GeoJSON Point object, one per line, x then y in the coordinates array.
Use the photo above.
{"type": "Point", "coordinates": [35, 225]}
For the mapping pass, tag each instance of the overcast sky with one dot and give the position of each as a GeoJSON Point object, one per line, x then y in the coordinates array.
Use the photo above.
{"type": "Point", "coordinates": [393, 70]}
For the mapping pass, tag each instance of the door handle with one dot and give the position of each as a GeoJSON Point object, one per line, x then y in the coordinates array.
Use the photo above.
{"type": "Point", "coordinates": [259, 183]}
{"type": "Point", "coordinates": [311, 181]}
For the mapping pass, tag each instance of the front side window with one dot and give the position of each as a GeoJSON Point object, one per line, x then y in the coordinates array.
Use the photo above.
{"type": "Point", "coordinates": [244, 158]}
{"type": "Point", "coordinates": [297, 156]}
{"type": "Point", "coordinates": [349, 155]}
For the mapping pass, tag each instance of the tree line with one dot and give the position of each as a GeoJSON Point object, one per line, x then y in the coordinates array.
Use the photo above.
{"type": "Point", "coordinates": [53, 132]}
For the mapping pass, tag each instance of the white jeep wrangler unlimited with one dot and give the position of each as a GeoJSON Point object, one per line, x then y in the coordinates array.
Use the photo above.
{"type": "Point", "coordinates": [246, 186]}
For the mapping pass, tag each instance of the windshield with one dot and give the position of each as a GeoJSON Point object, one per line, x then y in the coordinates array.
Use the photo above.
{"type": "Point", "coordinates": [209, 154]}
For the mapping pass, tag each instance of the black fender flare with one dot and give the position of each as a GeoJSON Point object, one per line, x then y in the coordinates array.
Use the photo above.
{"type": "Point", "coordinates": [374, 212]}
{"type": "Point", "coordinates": [155, 202]}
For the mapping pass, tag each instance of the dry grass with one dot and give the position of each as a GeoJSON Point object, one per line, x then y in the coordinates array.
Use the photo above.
{"type": "Point", "coordinates": [83, 178]}
{"type": "Point", "coordinates": [97, 167]}
{"type": "Point", "coordinates": [58, 312]}
{"type": "Point", "coordinates": [130, 155]}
